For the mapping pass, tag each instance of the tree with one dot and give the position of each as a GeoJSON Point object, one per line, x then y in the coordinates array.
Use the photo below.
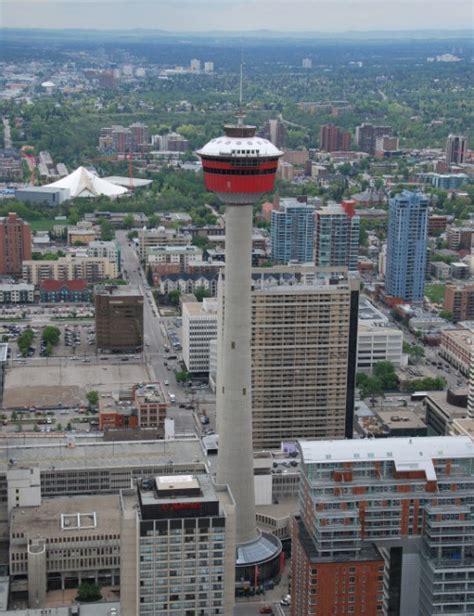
{"type": "Point", "coordinates": [153, 221]}
{"type": "Point", "coordinates": [51, 335]}
{"type": "Point", "coordinates": [59, 427]}
{"type": "Point", "coordinates": [182, 376]}
{"type": "Point", "coordinates": [107, 232]}
{"type": "Point", "coordinates": [69, 426]}
{"type": "Point", "coordinates": [446, 314]}
{"type": "Point", "coordinates": [24, 341]}
{"type": "Point", "coordinates": [14, 416]}
{"type": "Point", "coordinates": [201, 293]}
{"type": "Point", "coordinates": [149, 277]}
{"type": "Point", "coordinates": [174, 296]}
{"type": "Point", "coordinates": [88, 592]}
{"type": "Point", "coordinates": [371, 387]}
{"type": "Point", "coordinates": [384, 371]}
{"type": "Point", "coordinates": [129, 221]}
{"type": "Point", "coordinates": [92, 397]}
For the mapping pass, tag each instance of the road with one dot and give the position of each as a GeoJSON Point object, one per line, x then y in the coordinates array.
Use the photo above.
{"type": "Point", "coordinates": [155, 328]}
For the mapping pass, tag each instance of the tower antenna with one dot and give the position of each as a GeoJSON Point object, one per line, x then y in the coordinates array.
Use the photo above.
{"type": "Point", "coordinates": [240, 114]}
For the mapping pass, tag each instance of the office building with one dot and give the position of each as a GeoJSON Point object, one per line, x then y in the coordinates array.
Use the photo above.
{"type": "Point", "coordinates": [199, 327]}
{"type": "Point", "coordinates": [177, 547]}
{"type": "Point", "coordinates": [307, 63]}
{"type": "Point", "coordinates": [59, 543]}
{"type": "Point", "coordinates": [367, 134]}
{"type": "Point", "coordinates": [455, 347]}
{"type": "Point", "coordinates": [119, 319]}
{"type": "Point", "coordinates": [337, 236]}
{"type": "Point", "coordinates": [70, 267]}
{"type": "Point", "coordinates": [292, 232]}
{"type": "Point", "coordinates": [43, 195]}
{"type": "Point", "coordinates": [15, 244]}
{"type": "Point", "coordinates": [385, 527]}
{"type": "Point", "coordinates": [407, 246]}
{"type": "Point", "coordinates": [376, 340]}
{"type": "Point", "coordinates": [456, 148]}
{"type": "Point", "coordinates": [333, 139]}
{"type": "Point", "coordinates": [148, 238]}
{"type": "Point", "coordinates": [459, 301]}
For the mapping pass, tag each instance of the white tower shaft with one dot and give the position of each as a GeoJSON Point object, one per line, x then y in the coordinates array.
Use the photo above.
{"type": "Point", "coordinates": [235, 456]}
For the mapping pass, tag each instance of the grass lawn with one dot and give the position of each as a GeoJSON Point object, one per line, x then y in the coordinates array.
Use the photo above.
{"type": "Point", "coordinates": [435, 293]}
{"type": "Point", "coordinates": [44, 224]}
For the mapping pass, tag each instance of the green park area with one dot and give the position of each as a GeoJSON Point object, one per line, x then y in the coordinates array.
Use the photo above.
{"type": "Point", "coordinates": [435, 293]}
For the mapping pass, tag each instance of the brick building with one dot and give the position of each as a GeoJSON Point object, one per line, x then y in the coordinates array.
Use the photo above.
{"type": "Point", "coordinates": [459, 300]}
{"type": "Point", "coordinates": [332, 139]}
{"type": "Point", "coordinates": [15, 244]}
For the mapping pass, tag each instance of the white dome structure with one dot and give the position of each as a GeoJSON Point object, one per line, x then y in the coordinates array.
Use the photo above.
{"type": "Point", "coordinates": [83, 183]}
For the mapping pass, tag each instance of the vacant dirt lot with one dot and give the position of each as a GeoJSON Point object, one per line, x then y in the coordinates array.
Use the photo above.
{"type": "Point", "coordinates": [43, 385]}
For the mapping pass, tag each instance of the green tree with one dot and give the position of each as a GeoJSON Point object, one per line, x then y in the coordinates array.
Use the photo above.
{"type": "Point", "coordinates": [384, 371]}
{"type": "Point", "coordinates": [182, 376]}
{"type": "Point", "coordinates": [59, 427]}
{"type": "Point", "coordinates": [24, 341]}
{"type": "Point", "coordinates": [201, 293]}
{"type": "Point", "coordinates": [174, 296]}
{"type": "Point", "coordinates": [107, 232]}
{"type": "Point", "coordinates": [446, 314]}
{"type": "Point", "coordinates": [88, 593]}
{"type": "Point", "coordinates": [92, 397]}
{"type": "Point", "coordinates": [14, 415]}
{"type": "Point", "coordinates": [51, 335]}
{"type": "Point", "coordinates": [129, 221]}
{"type": "Point", "coordinates": [149, 277]}
{"type": "Point", "coordinates": [69, 426]}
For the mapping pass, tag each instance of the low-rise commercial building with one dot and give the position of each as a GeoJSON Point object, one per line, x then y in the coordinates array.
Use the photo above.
{"type": "Point", "coordinates": [83, 233]}
{"type": "Point", "coordinates": [150, 402]}
{"type": "Point", "coordinates": [43, 195]}
{"type": "Point", "coordinates": [59, 543]}
{"type": "Point", "coordinates": [375, 344]}
{"type": "Point", "coordinates": [70, 267]}
{"type": "Point", "coordinates": [149, 238]}
{"type": "Point", "coordinates": [160, 257]}
{"type": "Point", "coordinates": [456, 347]}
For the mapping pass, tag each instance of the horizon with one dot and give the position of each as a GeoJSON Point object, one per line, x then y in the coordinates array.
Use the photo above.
{"type": "Point", "coordinates": [201, 16]}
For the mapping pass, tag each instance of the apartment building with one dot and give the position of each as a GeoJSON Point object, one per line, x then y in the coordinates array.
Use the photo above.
{"type": "Point", "coordinates": [119, 319]}
{"type": "Point", "coordinates": [15, 244]}
{"type": "Point", "coordinates": [337, 230]}
{"type": "Point", "coordinates": [459, 301]}
{"type": "Point", "coordinates": [292, 232]}
{"type": "Point", "coordinates": [20, 293]}
{"type": "Point", "coordinates": [70, 267]}
{"type": "Point", "coordinates": [182, 257]}
{"type": "Point", "coordinates": [105, 250]}
{"type": "Point", "coordinates": [333, 139]}
{"type": "Point", "coordinates": [58, 543]}
{"type": "Point", "coordinates": [148, 238]}
{"type": "Point", "coordinates": [456, 148]}
{"type": "Point", "coordinates": [178, 547]}
{"type": "Point", "coordinates": [385, 528]}
{"type": "Point", "coordinates": [199, 327]}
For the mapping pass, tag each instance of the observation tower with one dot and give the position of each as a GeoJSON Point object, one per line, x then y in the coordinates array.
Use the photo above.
{"type": "Point", "coordinates": [239, 167]}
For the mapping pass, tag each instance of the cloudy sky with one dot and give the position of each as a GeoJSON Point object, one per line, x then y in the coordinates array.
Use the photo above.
{"type": "Point", "coordinates": [239, 15]}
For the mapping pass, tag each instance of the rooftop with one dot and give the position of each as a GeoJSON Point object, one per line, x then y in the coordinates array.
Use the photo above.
{"type": "Point", "coordinates": [118, 291]}
{"type": "Point", "coordinates": [66, 515]}
{"type": "Point", "coordinates": [402, 450]}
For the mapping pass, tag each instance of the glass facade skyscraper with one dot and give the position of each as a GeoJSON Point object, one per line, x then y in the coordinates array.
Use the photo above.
{"type": "Point", "coordinates": [292, 232]}
{"type": "Point", "coordinates": [406, 246]}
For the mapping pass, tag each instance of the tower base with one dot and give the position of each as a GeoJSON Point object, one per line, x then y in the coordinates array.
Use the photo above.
{"type": "Point", "coordinates": [258, 561]}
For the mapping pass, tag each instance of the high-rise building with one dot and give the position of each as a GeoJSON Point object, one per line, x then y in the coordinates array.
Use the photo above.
{"type": "Point", "coordinates": [240, 167]}
{"type": "Point", "coordinates": [292, 232]}
{"type": "Point", "coordinates": [332, 139]}
{"type": "Point", "coordinates": [470, 398]}
{"type": "Point", "coordinates": [337, 236]}
{"type": "Point", "coordinates": [459, 301]}
{"type": "Point", "coordinates": [195, 65]}
{"type": "Point", "coordinates": [199, 328]}
{"type": "Point", "coordinates": [366, 136]}
{"type": "Point", "coordinates": [208, 67]}
{"type": "Point", "coordinates": [307, 63]}
{"type": "Point", "coordinates": [177, 547]}
{"type": "Point", "coordinates": [119, 319]}
{"type": "Point", "coordinates": [140, 135]}
{"type": "Point", "coordinates": [385, 527]}
{"type": "Point", "coordinates": [407, 246]}
{"type": "Point", "coordinates": [304, 346]}
{"type": "Point", "coordinates": [275, 131]}
{"type": "Point", "coordinates": [15, 244]}
{"type": "Point", "coordinates": [456, 147]}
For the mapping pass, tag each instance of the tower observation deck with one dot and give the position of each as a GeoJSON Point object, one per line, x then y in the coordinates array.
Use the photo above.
{"type": "Point", "coordinates": [239, 167]}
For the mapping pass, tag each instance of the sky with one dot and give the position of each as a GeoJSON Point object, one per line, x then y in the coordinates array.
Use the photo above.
{"type": "Point", "coordinates": [239, 15]}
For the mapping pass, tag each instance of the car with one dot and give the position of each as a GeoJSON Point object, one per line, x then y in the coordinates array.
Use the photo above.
{"type": "Point", "coordinates": [266, 609]}
{"type": "Point", "coordinates": [167, 382]}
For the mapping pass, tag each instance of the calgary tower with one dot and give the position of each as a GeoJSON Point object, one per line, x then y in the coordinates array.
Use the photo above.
{"type": "Point", "coordinates": [239, 167]}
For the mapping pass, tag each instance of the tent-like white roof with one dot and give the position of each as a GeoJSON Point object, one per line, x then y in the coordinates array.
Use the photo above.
{"type": "Point", "coordinates": [83, 183]}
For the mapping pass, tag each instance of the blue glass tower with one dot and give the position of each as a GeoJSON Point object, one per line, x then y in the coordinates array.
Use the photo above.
{"type": "Point", "coordinates": [292, 232]}
{"type": "Point", "coordinates": [406, 246]}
